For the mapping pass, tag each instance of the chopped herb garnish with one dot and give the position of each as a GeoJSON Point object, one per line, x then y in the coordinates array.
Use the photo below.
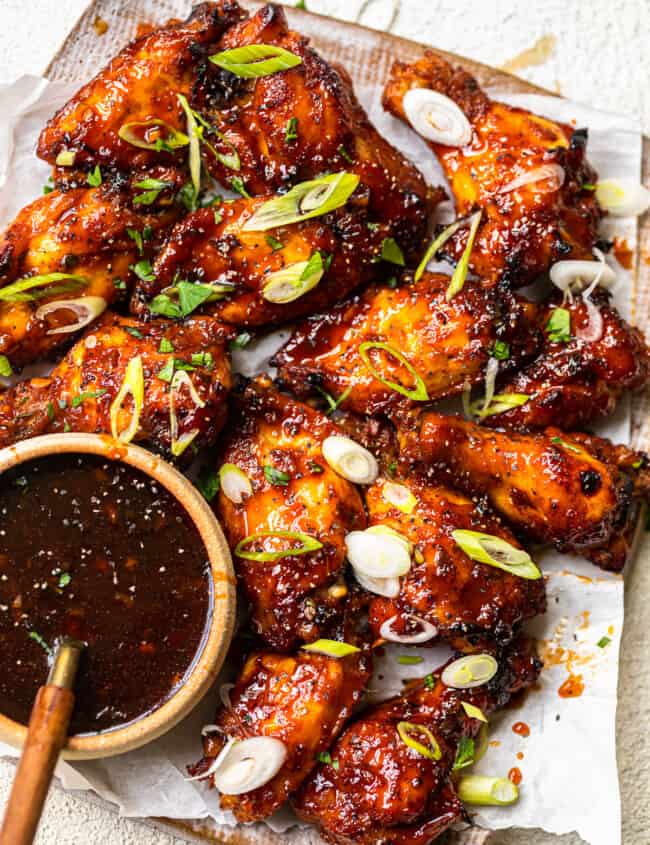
{"type": "Point", "coordinates": [137, 238]}
{"type": "Point", "coordinates": [331, 401]}
{"type": "Point", "coordinates": [373, 227]}
{"type": "Point", "coordinates": [87, 394]}
{"type": "Point", "coordinates": [558, 327]}
{"type": "Point", "coordinates": [429, 681]}
{"type": "Point", "coordinates": [218, 216]}
{"type": "Point", "coordinates": [188, 196]}
{"type": "Point", "coordinates": [274, 243]}
{"type": "Point", "coordinates": [276, 476]}
{"type": "Point", "coordinates": [134, 332]}
{"type": "Point", "coordinates": [152, 188]}
{"type": "Point", "coordinates": [345, 154]}
{"type": "Point", "coordinates": [165, 306]}
{"type": "Point", "coordinates": [143, 270]}
{"type": "Point", "coordinates": [324, 757]}
{"type": "Point", "coordinates": [588, 186]}
{"type": "Point", "coordinates": [409, 659]}
{"type": "Point", "coordinates": [172, 365]}
{"type": "Point", "coordinates": [301, 4]}
{"type": "Point", "coordinates": [242, 340]}
{"type": "Point", "coordinates": [559, 442]}
{"type": "Point", "coordinates": [147, 233]}
{"type": "Point", "coordinates": [5, 367]}
{"type": "Point", "coordinates": [64, 579]}
{"type": "Point", "coordinates": [603, 641]}
{"type": "Point", "coordinates": [165, 346]}
{"type": "Point", "coordinates": [203, 359]}
{"type": "Point", "coordinates": [237, 184]}
{"type": "Point", "coordinates": [191, 296]}
{"type": "Point", "coordinates": [66, 427]}
{"type": "Point", "coordinates": [390, 251]}
{"type": "Point", "coordinates": [119, 284]}
{"type": "Point", "coordinates": [34, 635]}
{"type": "Point", "coordinates": [94, 178]}
{"type": "Point", "coordinates": [391, 469]}
{"type": "Point", "coordinates": [464, 753]}
{"type": "Point", "coordinates": [317, 469]}
{"type": "Point", "coordinates": [392, 282]}
{"type": "Point", "coordinates": [500, 350]}
{"type": "Point", "coordinates": [291, 132]}
{"type": "Point", "coordinates": [208, 483]}
{"type": "Point", "coordinates": [50, 411]}
{"type": "Point", "coordinates": [48, 187]}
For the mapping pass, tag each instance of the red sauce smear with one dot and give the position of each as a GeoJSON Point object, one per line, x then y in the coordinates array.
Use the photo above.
{"type": "Point", "coordinates": [573, 687]}
{"type": "Point", "coordinates": [515, 776]}
{"type": "Point", "coordinates": [520, 755]}
{"type": "Point", "coordinates": [623, 253]}
{"type": "Point", "coordinates": [521, 728]}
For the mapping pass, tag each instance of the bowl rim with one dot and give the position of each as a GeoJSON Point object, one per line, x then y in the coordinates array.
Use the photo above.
{"type": "Point", "coordinates": [218, 635]}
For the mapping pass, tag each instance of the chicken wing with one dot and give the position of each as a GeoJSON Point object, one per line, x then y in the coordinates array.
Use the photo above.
{"type": "Point", "coordinates": [471, 605]}
{"type": "Point", "coordinates": [91, 236]}
{"type": "Point", "coordinates": [527, 174]}
{"type": "Point", "coordinates": [184, 386]}
{"type": "Point", "coordinates": [276, 442]}
{"type": "Point", "coordinates": [548, 486]}
{"type": "Point", "coordinates": [211, 246]}
{"type": "Point", "coordinates": [580, 374]}
{"type": "Point", "coordinates": [445, 344]}
{"type": "Point", "coordinates": [378, 789]}
{"type": "Point", "coordinates": [302, 700]}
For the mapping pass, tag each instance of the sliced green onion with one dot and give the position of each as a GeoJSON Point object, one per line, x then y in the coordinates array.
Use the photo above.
{"type": "Point", "coordinates": [304, 201]}
{"type": "Point", "coordinates": [473, 712]}
{"type": "Point", "coordinates": [18, 291]}
{"type": "Point", "coordinates": [558, 327]}
{"type": "Point", "coordinates": [460, 271]}
{"type": "Point", "coordinates": [230, 160]}
{"type": "Point", "coordinates": [173, 141]}
{"type": "Point", "coordinates": [409, 659]}
{"type": "Point", "coordinates": [248, 764]}
{"type": "Point", "coordinates": [483, 791]}
{"type": "Point", "coordinates": [418, 393]}
{"type": "Point", "coordinates": [86, 308]}
{"type": "Point", "coordinates": [436, 244]}
{"type": "Point", "coordinates": [407, 730]}
{"type": "Point", "coordinates": [470, 671]}
{"type": "Point", "coordinates": [194, 142]}
{"type": "Point", "coordinates": [603, 642]}
{"type": "Point", "coordinates": [133, 384]}
{"type": "Point", "coordinates": [378, 554]}
{"type": "Point", "coordinates": [255, 60]}
{"type": "Point", "coordinates": [399, 496]}
{"type": "Point", "coordinates": [464, 754]}
{"type": "Point", "coordinates": [482, 742]}
{"type": "Point", "coordinates": [622, 197]}
{"type": "Point", "coordinates": [65, 158]}
{"type": "Point", "coordinates": [179, 444]}
{"type": "Point", "coordinates": [5, 367]}
{"type": "Point", "coordinates": [331, 648]}
{"type": "Point", "coordinates": [499, 404]}
{"type": "Point", "coordinates": [235, 484]}
{"type": "Point", "coordinates": [568, 446]}
{"type": "Point", "coordinates": [495, 551]}
{"type": "Point", "coordinates": [350, 460]}
{"type": "Point", "coordinates": [309, 544]}
{"type": "Point", "coordinates": [294, 280]}
{"type": "Point", "coordinates": [276, 476]}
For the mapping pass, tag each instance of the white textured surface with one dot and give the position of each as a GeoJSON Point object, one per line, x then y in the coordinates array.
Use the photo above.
{"type": "Point", "coordinates": [601, 58]}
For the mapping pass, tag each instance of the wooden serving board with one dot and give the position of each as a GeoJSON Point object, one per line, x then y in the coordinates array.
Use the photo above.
{"type": "Point", "coordinates": [367, 56]}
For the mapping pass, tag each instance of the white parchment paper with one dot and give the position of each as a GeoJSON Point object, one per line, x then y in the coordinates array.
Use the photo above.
{"type": "Point", "coordinates": [568, 762]}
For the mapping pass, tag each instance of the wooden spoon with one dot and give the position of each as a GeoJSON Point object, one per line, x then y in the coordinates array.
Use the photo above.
{"type": "Point", "coordinates": [46, 736]}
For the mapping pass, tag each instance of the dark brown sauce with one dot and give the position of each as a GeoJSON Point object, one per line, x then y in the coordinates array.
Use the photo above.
{"type": "Point", "coordinates": [624, 255]}
{"type": "Point", "coordinates": [98, 551]}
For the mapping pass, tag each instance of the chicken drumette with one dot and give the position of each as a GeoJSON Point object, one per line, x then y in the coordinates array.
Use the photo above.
{"type": "Point", "coordinates": [528, 175]}
{"type": "Point", "coordinates": [414, 333]}
{"type": "Point", "coordinates": [378, 789]}
{"type": "Point", "coordinates": [175, 397]}
{"type": "Point", "coordinates": [276, 442]}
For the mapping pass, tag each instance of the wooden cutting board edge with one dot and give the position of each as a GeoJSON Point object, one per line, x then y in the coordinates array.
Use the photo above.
{"type": "Point", "coordinates": [366, 54]}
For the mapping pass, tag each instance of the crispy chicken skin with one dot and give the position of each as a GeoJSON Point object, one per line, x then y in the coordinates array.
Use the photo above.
{"type": "Point", "coordinates": [472, 605]}
{"type": "Point", "coordinates": [211, 246]}
{"type": "Point", "coordinates": [447, 343]}
{"type": "Point", "coordinates": [571, 384]}
{"type": "Point", "coordinates": [68, 400]}
{"type": "Point", "coordinates": [378, 790]}
{"type": "Point", "coordinates": [523, 231]}
{"type": "Point", "coordinates": [83, 232]}
{"type": "Point", "coordinates": [303, 700]}
{"type": "Point", "coordinates": [295, 598]}
{"type": "Point", "coordinates": [139, 84]}
{"type": "Point", "coordinates": [545, 485]}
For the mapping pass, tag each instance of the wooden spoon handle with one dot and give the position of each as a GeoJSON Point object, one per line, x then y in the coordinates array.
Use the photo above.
{"type": "Point", "coordinates": [47, 732]}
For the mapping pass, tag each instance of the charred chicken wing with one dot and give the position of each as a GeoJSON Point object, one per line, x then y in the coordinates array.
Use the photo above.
{"type": "Point", "coordinates": [290, 499]}
{"type": "Point", "coordinates": [116, 377]}
{"type": "Point", "coordinates": [415, 336]}
{"type": "Point", "coordinates": [302, 700]}
{"type": "Point", "coordinates": [525, 173]}
{"type": "Point", "coordinates": [379, 789]}
{"type": "Point", "coordinates": [470, 604]}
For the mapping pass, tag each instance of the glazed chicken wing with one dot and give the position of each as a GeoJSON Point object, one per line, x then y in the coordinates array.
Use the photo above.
{"type": "Point", "coordinates": [302, 700]}
{"type": "Point", "coordinates": [446, 344]}
{"type": "Point", "coordinates": [378, 789]}
{"type": "Point", "coordinates": [82, 233]}
{"type": "Point", "coordinates": [276, 442]}
{"type": "Point", "coordinates": [526, 174]}
{"type": "Point", "coordinates": [471, 605]}
{"type": "Point", "coordinates": [546, 485]}
{"type": "Point", "coordinates": [579, 375]}
{"type": "Point", "coordinates": [212, 246]}
{"type": "Point", "coordinates": [183, 390]}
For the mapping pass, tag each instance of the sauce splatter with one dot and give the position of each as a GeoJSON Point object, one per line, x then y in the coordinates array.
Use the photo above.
{"type": "Point", "coordinates": [520, 755]}
{"type": "Point", "coordinates": [515, 776]}
{"type": "Point", "coordinates": [624, 255]}
{"type": "Point", "coordinates": [573, 687]}
{"type": "Point", "coordinates": [538, 54]}
{"type": "Point", "coordinates": [100, 26]}
{"type": "Point", "coordinates": [521, 728]}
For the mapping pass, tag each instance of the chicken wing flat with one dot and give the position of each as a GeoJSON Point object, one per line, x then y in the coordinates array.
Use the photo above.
{"type": "Point", "coordinates": [302, 700]}
{"type": "Point", "coordinates": [471, 605]}
{"type": "Point", "coordinates": [211, 246]}
{"type": "Point", "coordinates": [445, 344]}
{"type": "Point", "coordinates": [546, 485]}
{"type": "Point", "coordinates": [83, 234]}
{"type": "Point", "coordinates": [526, 173]}
{"type": "Point", "coordinates": [276, 442]}
{"type": "Point", "coordinates": [183, 391]}
{"type": "Point", "coordinates": [378, 789]}
{"type": "Point", "coordinates": [579, 374]}
{"type": "Point", "coordinates": [139, 85]}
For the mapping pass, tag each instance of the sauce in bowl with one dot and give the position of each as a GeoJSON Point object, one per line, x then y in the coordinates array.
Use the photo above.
{"type": "Point", "coordinates": [98, 551]}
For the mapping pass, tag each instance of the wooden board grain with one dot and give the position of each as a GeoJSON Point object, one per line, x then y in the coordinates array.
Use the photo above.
{"type": "Point", "coordinates": [366, 55]}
